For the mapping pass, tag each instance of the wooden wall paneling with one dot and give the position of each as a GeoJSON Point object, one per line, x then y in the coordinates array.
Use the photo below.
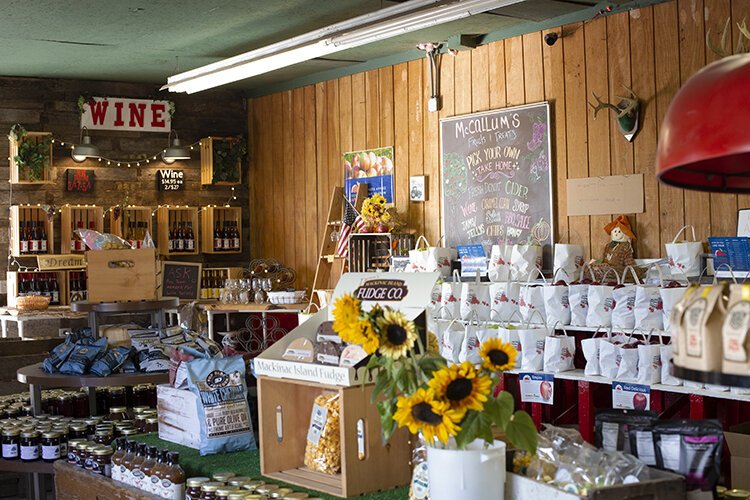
{"type": "Point", "coordinates": [278, 229]}
{"type": "Point", "coordinates": [577, 116]}
{"type": "Point", "coordinates": [401, 138]}
{"type": "Point", "coordinates": [430, 155]}
{"type": "Point", "coordinates": [693, 58]}
{"type": "Point", "coordinates": [321, 160]}
{"type": "Point", "coordinates": [480, 79]}
{"type": "Point", "coordinates": [514, 84]}
{"type": "Point", "coordinates": [598, 127]}
{"type": "Point", "coordinates": [312, 190]}
{"type": "Point", "coordinates": [447, 89]}
{"type": "Point", "coordinates": [496, 70]}
{"type": "Point", "coordinates": [334, 165]}
{"type": "Point", "coordinates": [253, 176]}
{"type": "Point", "coordinates": [723, 206]}
{"type": "Point", "coordinates": [372, 113]}
{"type": "Point", "coordinates": [462, 83]}
{"type": "Point", "coordinates": [644, 146]}
{"type": "Point", "coordinates": [554, 92]}
{"type": "Point", "coordinates": [667, 64]}
{"type": "Point", "coordinates": [740, 11]}
{"type": "Point", "coordinates": [359, 109]}
{"type": "Point", "coordinates": [416, 144]}
{"type": "Point", "coordinates": [345, 117]}
{"type": "Point", "coordinates": [386, 105]}
{"type": "Point", "coordinates": [300, 183]}
{"type": "Point", "coordinates": [289, 239]}
{"type": "Point", "coordinates": [533, 67]}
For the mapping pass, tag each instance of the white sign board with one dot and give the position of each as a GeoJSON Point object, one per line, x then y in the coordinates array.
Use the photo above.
{"type": "Point", "coordinates": [115, 113]}
{"type": "Point", "coordinates": [626, 396]}
{"type": "Point", "coordinates": [537, 388]}
{"type": "Point", "coordinates": [614, 194]}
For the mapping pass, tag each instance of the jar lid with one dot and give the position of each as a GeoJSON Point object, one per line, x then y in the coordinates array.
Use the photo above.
{"type": "Point", "coordinates": [281, 492]}
{"type": "Point", "coordinates": [226, 490]}
{"type": "Point", "coordinates": [117, 388]}
{"type": "Point", "coordinates": [238, 495]}
{"type": "Point", "coordinates": [196, 481]}
{"type": "Point", "coordinates": [64, 397]}
{"type": "Point", "coordinates": [51, 435]}
{"type": "Point", "coordinates": [11, 431]}
{"type": "Point", "coordinates": [103, 432]}
{"type": "Point", "coordinates": [140, 409]}
{"type": "Point", "coordinates": [253, 485]}
{"type": "Point", "coordinates": [91, 446]}
{"type": "Point", "coordinates": [30, 434]}
{"type": "Point", "coordinates": [213, 486]}
{"type": "Point", "coordinates": [737, 494]}
{"type": "Point", "coordinates": [240, 480]}
{"type": "Point", "coordinates": [102, 451]}
{"type": "Point", "coordinates": [252, 496]}
{"type": "Point", "coordinates": [118, 409]}
{"type": "Point", "coordinates": [223, 476]}
{"type": "Point", "coordinates": [128, 432]}
{"type": "Point", "coordinates": [91, 421]}
{"type": "Point", "coordinates": [26, 408]}
{"type": "Point", "coordinates": [266, 489]}
{"type": "Point", "coordinates": [79, 427]}
{"type": "Point", "coordinates": [152, 420]}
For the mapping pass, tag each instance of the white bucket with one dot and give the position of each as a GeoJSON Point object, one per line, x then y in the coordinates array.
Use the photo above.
{"type": "Point", "coordinates": [472, 474]}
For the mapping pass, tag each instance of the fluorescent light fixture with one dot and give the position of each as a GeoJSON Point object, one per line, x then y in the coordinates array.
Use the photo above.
{"type": "Point", "coordinates": [386, 23]}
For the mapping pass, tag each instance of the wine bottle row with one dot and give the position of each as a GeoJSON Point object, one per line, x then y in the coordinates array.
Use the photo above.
{"type": "Point", "coordinates": [181, 237]}
{"type": "Point", "coordinates": [44, 284]}
{"type": "Point", "coordinates": [226, 236]}
{"type": "Point", "coordinates": [211, 283]}
{"type": "Point", "coordinates": [76, 243]}
{"type": "Point", "coordinates": [33, 237]}
{"type": "Point", "coordinates": [135, 233]}
{"type": "Point", "coordinates": [78, 286]}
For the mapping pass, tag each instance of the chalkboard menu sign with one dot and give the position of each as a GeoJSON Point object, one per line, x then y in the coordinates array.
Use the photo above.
{"type": "Point", "coordinates": [497, 177]}
{"type": "Point", "coordinates": [181, 279]}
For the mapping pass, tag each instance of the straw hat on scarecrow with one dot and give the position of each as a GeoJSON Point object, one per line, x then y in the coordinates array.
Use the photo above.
{"type": "Point", "coordinates": [618, 253]}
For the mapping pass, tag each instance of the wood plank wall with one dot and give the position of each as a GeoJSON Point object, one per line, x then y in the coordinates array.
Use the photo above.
{"type": "Point", "coordinates": [298, 136]}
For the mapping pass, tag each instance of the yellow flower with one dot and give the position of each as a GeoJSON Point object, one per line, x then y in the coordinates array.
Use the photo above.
{"type": "Point", "coordinates": [346, 313]}
{"type": "Point", "coordinates": [461, 387]}
{"type": "Point", "coordinates": [397, 334]}
{"type": "Point", "coordinates": [433, 344]}
{"type": "Point", "coordinates": [369, 339]}
{"type": "Point", "coordinates": [498, 356]}
{"type": "Point", "coordinates": [422, 412]}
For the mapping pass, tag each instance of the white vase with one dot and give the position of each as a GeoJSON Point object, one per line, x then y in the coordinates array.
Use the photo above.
{"type": "Point", "coordinates": [477, 473]}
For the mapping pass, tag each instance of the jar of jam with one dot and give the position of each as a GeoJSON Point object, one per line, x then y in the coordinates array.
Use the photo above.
{"type": "Point", "coordinates": [140, 423]}
{"type": "Point", "coordinates": [223, 492]}
{"type": "Point", "coordinates": [152, 425]}
{"type": "Point", "coordinates": [138, 410]}
{"type": "Point", "coordinates": [79, 431]}
{"type": "Point", "coordinates": [65, 406]}
{"type": "Point", "coordinates": [29, 446]}
{"type": "Point", "coordinates": [103, 436]}
{"type": "Point", "coordinates": [144, 395]}
{"type": "Point", "coordinates": [27, 410]}
{"type": "Point", "coordinates": [127, 433]}
{"type": "Point", "coordinates": [88, 463]}
{"type": "Point", "coordinates": [80, 405]}
{"type": "Point", "coordinates": [91, 427]}
{"type": "Point", "coordinates": [117, 413]}
{"type": "Point", "coordinates": [208, 490]}
{"type": "Point", "coordinates": [117, 398]}
{"type": "Point", "coordinates": [193, 491]}
{"type": "Point", "coordinates": [81, 453]}
{"type": "Point", "coordinates": [11, 438]}
{"type": "Point", "coordinates": [73, 450]}
{"type": "Point", "coordinates": [101, 463]}
{"type": "Point", "coordinates": [51, 446]}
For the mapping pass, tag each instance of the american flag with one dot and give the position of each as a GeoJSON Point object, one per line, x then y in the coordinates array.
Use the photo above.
{"type": "Point", "coordinates": [351, 218]}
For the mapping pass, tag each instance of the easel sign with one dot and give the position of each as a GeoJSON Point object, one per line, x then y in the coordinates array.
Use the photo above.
{"type": "Point", "coordinates": [181, 280]}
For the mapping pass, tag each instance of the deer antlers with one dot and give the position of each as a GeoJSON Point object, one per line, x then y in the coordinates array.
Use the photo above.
{"type": "Point", "coordinates": [725, 51]}
{"type": "Point", "coordinates": [625, 107]}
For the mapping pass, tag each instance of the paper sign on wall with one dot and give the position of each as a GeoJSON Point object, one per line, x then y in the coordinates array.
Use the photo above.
{"type": "Point", "coordinates": [627, 396]}
{"type": "Point", "coordinates": [114, 113]}
{"type": "Point", "coordinates": [616, 194]}
{"type": "Point", "coordinates": [537, 388]}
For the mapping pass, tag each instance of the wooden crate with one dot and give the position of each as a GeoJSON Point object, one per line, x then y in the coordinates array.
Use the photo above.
{"type": "Point", "coordinates": [18, 175]}
{"type": "Point", "coordinates": [27, 214]}
{"type": "Point", "coordinates": [166, 217]}
{"type": "Point", "coordinates": [224, 274]}
{"type": "Point", "coordinates": [13, 279]}
{"type": "Point", "coordinates": [284, 409]}
{"type": "Point", "coordinates": [69, 288]}
{"type": "Point", "coordinates": [120, 275]}
{"type": "Point", "coordinates": [210, 216]}
{"type": "Point", "coordinates": [130, 214]}
{"type": "Point", "coordinates": [70, 216]}
{"type": "Point", "coordinates": [74, 483]}
{"type": "Point", "coordinates": [207, 163]}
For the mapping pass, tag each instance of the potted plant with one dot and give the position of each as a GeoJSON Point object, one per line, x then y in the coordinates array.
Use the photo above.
{"type": "Point", "coordinates": [227, 156]}
{"type": "Point", "coordinates": [33, 157]}
{"type": "Point", "coordinates": [455, 408]}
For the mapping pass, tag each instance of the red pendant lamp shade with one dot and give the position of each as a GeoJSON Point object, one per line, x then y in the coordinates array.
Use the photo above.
{"type": "Point", "coordinates": [704, 142]}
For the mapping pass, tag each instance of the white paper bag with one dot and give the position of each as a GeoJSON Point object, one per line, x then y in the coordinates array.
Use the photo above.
{"type": "Point", "coordinates": [665, 353]}
{"type": "Point", "coordinates": [685, 256]}
{"type": "Point", "coordinates": [670, 297]}
{"type": "Point", "coordinates": [623, 315]}
{"type": "Point", "coordinates": [578, 297]}
{"type": "Point", "coordinates": [568, 257]}
{"type": "Point", "coordinates": [556, 300]}
{"type": "Point", "coordinates": [499, 266]}
{"type": "Point", "coordinates": [531, 298]}
{"type": "Point", "coordinates": [484, 334]}
{"type": "Point", "coordinates": [430, 259]}
{"type": "Point", "coordinates": [470, 346]}
{"type": "Point", "coordinates": [608, 359]}
{"type": "Point", "coordinates": [524, 259]}
{"type": "Point", "coordinates": [504, 299]}
{"type": "Point", "coordinates": [649, 309]}
{"type": "Point", "coordinates": [532, 346]}
{"type": "Point", "coordinates": [510, 336]}
{"type": "Point", "coordinates": [475, 299]}
{"type": "Point", "coordinates": [601, 303]}
{"type": "Point", "coordinates": [649, 362]}
{"type": "Point", "coordinates": [559, 351]}
{"type": "Point", "coordinates": [451, 338]}
{"type": "Point", "coordinates": [433, 308]}
{"type": "Point", "coordinates": [627, 363]}
{"type": "Point", "coordinates": [450, 298]}
{"type": "Point", "coordinates": [590, 348]}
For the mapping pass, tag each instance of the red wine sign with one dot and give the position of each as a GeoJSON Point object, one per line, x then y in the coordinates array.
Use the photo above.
{"type": "Point", "coordinates": [79, 180]}
{"type": "Point", "coordinates": [114, 113]}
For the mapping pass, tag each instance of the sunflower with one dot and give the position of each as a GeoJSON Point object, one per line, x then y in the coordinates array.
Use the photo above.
{"type": "Point", "coordinates": [421, 412]}
{"type": "Point", "coordinates": [346, 316]}
{"type": "Point", "coordinates": [433, 344]}
{"type": "Point", "coordinates": [498, 356]}
{"type": "Point", "coordinates": [462, 387]}
{"type": "Point", "coordinates": [369, 340]}
{"type": "Point", "coordinates": [397, 334]}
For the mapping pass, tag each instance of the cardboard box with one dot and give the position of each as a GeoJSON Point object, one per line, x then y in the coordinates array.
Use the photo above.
{"type": "Point", "coordinates": [121, 275]}
{"type": "Point", "coordinates": [178, 416]}
{"type": "Point", "coordinates": [738, 440]}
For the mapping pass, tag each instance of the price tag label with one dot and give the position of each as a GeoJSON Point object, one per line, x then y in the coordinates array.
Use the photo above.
{"type": "Point", "coordinates": [537, 388]}
{"type": "Point", "coordinates": [626, 396]}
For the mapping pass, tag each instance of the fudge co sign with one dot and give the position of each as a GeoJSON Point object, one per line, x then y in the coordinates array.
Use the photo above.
{"type": "Point", "coordinates": [114, 113]}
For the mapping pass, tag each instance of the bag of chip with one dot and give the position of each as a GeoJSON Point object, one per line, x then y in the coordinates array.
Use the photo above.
{"type": "Point", "coordinates": [58, 355]}
{"type": "Point", "coordinates": [82, 356]}
{"type": "Point", "coordinates": [611, 427]}
{"type": "Point", "coordinates": [111, 361]}
{"type": "Point", "coordinates": [323, 450]}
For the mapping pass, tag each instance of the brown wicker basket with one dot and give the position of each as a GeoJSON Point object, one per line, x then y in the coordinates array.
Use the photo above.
{"type": "Point", "coordinates": [32, 303]}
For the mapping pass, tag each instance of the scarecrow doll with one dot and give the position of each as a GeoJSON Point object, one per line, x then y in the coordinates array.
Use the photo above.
{"type": "Point", "coordinates": [618, 253]}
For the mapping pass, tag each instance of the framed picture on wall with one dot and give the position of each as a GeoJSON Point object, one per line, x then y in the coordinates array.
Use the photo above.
{"type": "Point", "coordinates": [373, 167]}
{"type": "Point", "coordinates": [417, 188]}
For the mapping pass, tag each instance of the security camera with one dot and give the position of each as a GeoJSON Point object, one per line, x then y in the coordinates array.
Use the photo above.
{"type": "Point", "coordinates": [551, 38]}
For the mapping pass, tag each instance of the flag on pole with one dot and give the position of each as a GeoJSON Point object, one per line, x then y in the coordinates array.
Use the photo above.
{"type": "Point", "coordinates": [351, 219]}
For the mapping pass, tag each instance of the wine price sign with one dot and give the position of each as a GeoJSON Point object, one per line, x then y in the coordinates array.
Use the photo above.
{"type": "Point", "coordinates": [169, 179]}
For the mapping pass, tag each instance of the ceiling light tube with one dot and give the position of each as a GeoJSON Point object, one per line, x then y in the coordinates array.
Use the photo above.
{"type": "Point", "coordinates": [295, 50]}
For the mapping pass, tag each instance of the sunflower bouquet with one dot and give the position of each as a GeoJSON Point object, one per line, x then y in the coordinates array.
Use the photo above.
{"type": "Point", "coordinates": [415, 387]}
{"type": "Point", "coordinates": [374, 212]}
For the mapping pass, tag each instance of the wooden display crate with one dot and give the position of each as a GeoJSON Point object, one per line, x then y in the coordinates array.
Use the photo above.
{"type": "Point", "coordinates": [70, 216]}
{"type": "Point", "coordinates": [120, 275]}
{"type": "Point", "coordinates": [69, 292]}
{"type": "Point", "coordinates": [130, 215]}
{"type": "Point", "coordinates": [20, 175]}
{"type": "Point", "coordinates": [207, 163]}
{"type": "Point", "coordinates": [27, 214]}
{"type": "Point", "coordinates": [224, 273]}
{"type": "Point", "coordinates": [369, 252]}
{"type": "Point", "coordinates": [284, 409]}
{"type": "Point", "coordinates": [210, 216]}
{"type": "Point", "coordinates": [13, 284]}
{"type": "Point", "coordinates": [168, 216]}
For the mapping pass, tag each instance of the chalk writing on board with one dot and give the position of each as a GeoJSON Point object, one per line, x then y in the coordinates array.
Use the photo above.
{"type": "Point", "coordinates": [181, 280]}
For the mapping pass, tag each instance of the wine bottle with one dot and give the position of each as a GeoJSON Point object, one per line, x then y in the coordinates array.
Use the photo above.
{"type": "Point", "coordinates": [42, 237]}
{"type": "Point", "coordinates": [22, 285]}
{"type": "Point", "coordinates": [23, 245]}
{"type": "Point", "coordinates": [235, 237]}
{"type": "Point", "coordinates": [218, 241]}
{"type": "Point", "coordinates": [54, 290]}
{"type": "Point", "coordinates": [189, 238]}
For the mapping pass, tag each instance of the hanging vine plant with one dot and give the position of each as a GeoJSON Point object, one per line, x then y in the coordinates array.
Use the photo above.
{"type": "Point", "coordinates": [227, 159]}
{"type": "Point", "coordinates": [33, 155]}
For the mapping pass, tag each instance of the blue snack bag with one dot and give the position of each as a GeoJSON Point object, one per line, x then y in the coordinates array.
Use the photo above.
{"type": "Point", "coordinates": [110, 362]}
{"type": "Point", "coordinates": [219, 384]}
{"type": "Point", "coordinates": [82, 357]}
{"type": "Point", "coordinates": [58, 355]}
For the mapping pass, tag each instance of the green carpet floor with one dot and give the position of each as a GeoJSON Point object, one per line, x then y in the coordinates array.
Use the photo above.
{"type": "Point", "coordinates": [243, 463]}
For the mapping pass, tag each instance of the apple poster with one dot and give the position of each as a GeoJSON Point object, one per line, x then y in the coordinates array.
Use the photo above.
{"type": "Point", "coordinates": [537, 388]}
{"type": "Point", "coordinates": [373, 167]}
{"type": "Point", "coordinates": [631, 396]}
